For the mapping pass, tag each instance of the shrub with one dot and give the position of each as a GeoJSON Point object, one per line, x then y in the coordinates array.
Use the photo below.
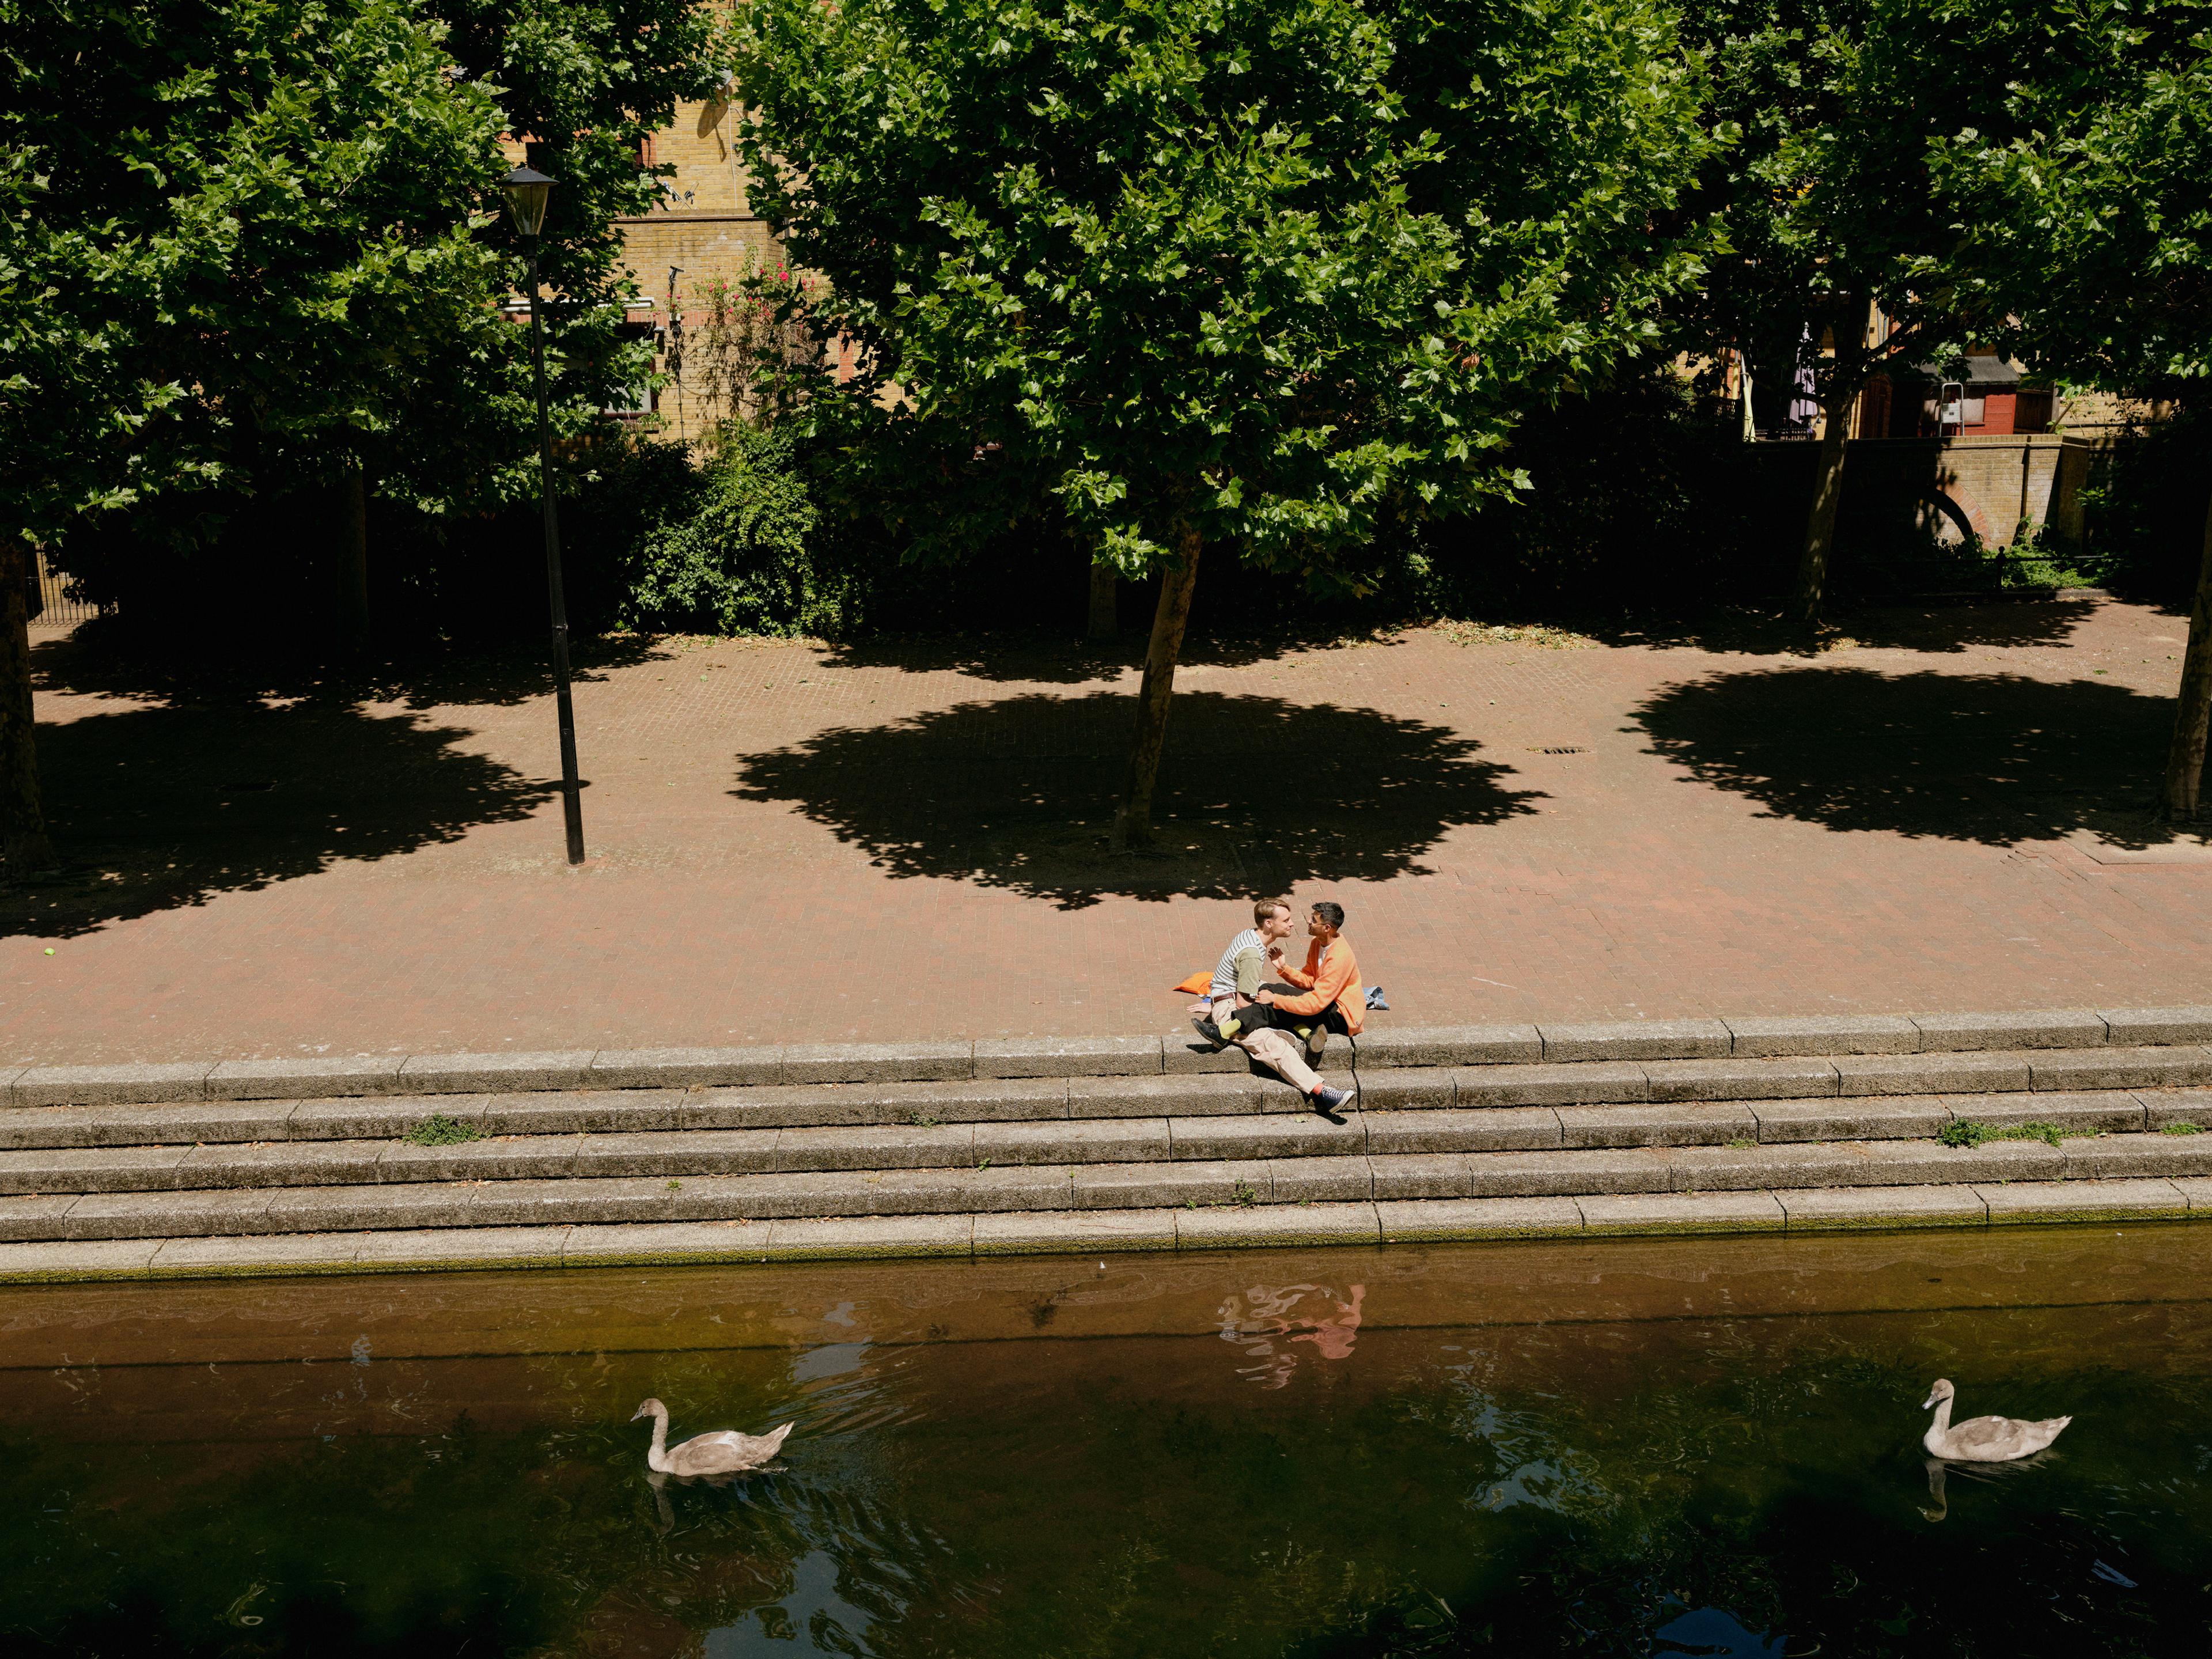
{"type": "Point", "coordinates": [743, 558]}
{"type": "Point", "coordinates": [1638, 494]}
{"type": "Point", "coordinates": [2143, 508]}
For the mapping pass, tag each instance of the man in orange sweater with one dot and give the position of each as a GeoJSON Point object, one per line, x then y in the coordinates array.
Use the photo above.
{"type": "Point", "coordinates": [1329, 998]}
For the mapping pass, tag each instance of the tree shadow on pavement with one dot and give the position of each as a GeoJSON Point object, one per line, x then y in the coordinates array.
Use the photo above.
{"type": "Point", "coordinates": [1770, 631]}
{"type": "Point", "coordinates": [99, 658]}
{"type": "Point", "coordinates": [1047, 659]}
{"type": "Point", "coordinates": [1997, 758]}
{"type": "Point", "coordinates": [1255, 794]}
{"type": "Point", "coordinates": [157, 807]}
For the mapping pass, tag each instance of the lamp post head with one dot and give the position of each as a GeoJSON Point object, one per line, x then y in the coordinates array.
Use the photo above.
{"type": "Point", "coordinates": [527, 190]}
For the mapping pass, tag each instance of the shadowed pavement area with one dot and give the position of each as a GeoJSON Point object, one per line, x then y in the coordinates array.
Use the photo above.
{"type": "Point", "coordinates": [1255, 794]}
{"type": "Point", "coordinates": [1999, 758]}
{"type": "Point", "coordinates": [790, 843]}
{"type": "Point", "coordinates": [157, 806]}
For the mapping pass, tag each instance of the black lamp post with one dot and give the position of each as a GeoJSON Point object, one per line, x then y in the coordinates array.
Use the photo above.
{"type": "Point", "coordinates": [526, 193]}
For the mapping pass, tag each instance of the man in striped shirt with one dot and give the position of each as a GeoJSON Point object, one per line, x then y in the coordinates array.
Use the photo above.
{"type": "Point", "coordinates": [1329, 998]}
{"type": "Point", "coordinates": [1236, 977]}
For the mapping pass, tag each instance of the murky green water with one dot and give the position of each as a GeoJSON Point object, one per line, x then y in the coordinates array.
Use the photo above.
{"type": "Point", "coordinates": [1701, 1447]}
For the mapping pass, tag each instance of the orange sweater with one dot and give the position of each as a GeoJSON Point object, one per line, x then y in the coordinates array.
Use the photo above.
{"type": "Point", "coordinates": [1332, 978]}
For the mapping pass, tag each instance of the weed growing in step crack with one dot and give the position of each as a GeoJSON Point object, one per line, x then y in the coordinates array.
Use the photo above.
{"type": "Point", "coordinates": [439, 1130]}
{"type": "Point", "coordinates": [1967, 1132]}
{"type": "Point", "coordinates": [2181, 1129]}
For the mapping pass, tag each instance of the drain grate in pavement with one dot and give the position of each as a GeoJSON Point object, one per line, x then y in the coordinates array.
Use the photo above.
{"type": "Point", "coordinates": [1558, 748]}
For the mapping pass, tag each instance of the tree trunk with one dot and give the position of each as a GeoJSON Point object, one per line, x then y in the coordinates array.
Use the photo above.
{"type": "Point", "coordinates": [2185, 759]}
{"type": "Point", "coordinates": [1133, 823]}
{"type": "Point", "coordinates": [1820, 527]}
{"type": "Point", "coordinates": [1105, 593]}
{"type": "Point", "coordinates": [24, 840]}
{"type": "Point", "coordinates": [1840, 406]}
{"type": "Point", "coordinates": [351, 563]}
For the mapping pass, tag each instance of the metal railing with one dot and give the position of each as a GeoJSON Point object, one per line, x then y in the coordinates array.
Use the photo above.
{"type": "Point", "coordinates": [58, 610]}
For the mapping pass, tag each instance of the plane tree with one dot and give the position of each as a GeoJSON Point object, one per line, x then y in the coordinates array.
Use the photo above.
{"type": "Point", "coordinates": [1214, 278]}
{"type": "Point", "coordinates": [2081, 220]}
{"type": "Point", "coordinates": [253, 248]}
{"type": "Point", "coordinates": [1831, 220]}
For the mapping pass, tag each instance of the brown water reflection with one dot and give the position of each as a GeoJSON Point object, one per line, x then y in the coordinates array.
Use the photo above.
{"type": "Point", "coordinates": [1393, 1432]}
{"type": "Point", "coordinates": [1265, 1320]}
{"type": "Point", "coordinates": [279, 1359]}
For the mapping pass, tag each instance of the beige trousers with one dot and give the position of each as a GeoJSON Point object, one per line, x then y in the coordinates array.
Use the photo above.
{"type": "Point", "coordinates": [1283, 1054]}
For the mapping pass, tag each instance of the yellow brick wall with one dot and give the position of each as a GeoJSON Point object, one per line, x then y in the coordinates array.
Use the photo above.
{"type": "Point", "coordinates": [705, 230]}
{"type": "Point", "coordinates": [705, 226]}
{"type": "Point", "coordinates": [2101, 416]}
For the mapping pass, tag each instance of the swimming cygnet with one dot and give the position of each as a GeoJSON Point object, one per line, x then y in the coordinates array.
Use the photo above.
{"type": "Point", "coordinates": [1984, 1439]}
{"type": "Point", "coordinates": [723, 1452]}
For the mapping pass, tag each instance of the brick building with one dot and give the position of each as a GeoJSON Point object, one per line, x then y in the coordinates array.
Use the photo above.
{"type": "Point", "coordinates": [1986, 399]}
{"type": "Point", "coordinates": [704, 235]}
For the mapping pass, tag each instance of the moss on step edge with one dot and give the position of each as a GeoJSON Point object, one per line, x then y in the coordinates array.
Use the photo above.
{"type": "Point", "coordinates": [554, 1246]}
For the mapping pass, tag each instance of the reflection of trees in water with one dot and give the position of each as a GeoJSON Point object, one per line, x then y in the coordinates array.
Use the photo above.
{"type": "Point", "coordinates": [1266, 1320]}
{"type": "Point", "coordinates": [818, 1560]}
{"type": "Point", "coordinates": [1697, 1493]}
{"type": "Point", "coordinates": [541, 1540]}
{"type": "Point", "coordinates": [1737, 1508]}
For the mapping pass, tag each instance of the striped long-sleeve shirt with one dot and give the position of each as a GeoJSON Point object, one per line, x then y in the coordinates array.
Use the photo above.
{"type": "Point", "coordinates": [1224, 973]}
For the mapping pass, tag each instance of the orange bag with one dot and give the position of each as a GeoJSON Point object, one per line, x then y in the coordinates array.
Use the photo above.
{"type": "Point", "coordinates": [1197, 984]}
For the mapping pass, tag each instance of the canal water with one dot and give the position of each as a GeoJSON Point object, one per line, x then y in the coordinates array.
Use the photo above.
{"type": "Point", "coordinates": [1701, 1448]}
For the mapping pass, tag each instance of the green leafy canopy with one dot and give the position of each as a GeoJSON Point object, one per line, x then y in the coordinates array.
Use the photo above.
{"type": "Point", "coordinates": [249, 245]}
{"type": "Point", "coordinates": [1236, 270]}
{"type": "Point", "coordinates": [2081, 198]}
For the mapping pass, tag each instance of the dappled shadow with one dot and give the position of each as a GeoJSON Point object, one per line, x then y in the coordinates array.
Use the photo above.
{"type": "Point", "coordinates": [1040, 659]}
{"type": "Point", "coordinates": [1998, 758]}
{"type": "Point", "coordinates": [1770, 630]}
{"type": "Point", "coordinates": [1256, 793]}
{"type": "Point", "coordinates": [1044, 658]}
{"type": "Point", "coordinates": [1047, 659]}
{"type": "Point", "coordinates": [101, 659]}
{"type": "Point", "coordinates": [156, 807]}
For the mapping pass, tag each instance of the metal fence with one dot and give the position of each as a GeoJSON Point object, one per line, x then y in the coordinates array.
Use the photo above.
{"type": "Point", "coordinates": [58, 608]}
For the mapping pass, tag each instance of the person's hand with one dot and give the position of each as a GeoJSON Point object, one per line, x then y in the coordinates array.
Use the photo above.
{"type": "Point", "coordinates": [1264, 997]}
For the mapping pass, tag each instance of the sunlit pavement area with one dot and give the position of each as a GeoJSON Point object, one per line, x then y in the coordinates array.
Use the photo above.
{"type": "Point", "coordinates": [789, 842]}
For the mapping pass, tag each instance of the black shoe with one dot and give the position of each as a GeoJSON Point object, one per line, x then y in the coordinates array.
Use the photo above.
{"type": "Point", "coordinates": [1211, 1032]}
{"type": "Point", "coordinates": [1330, 1100]}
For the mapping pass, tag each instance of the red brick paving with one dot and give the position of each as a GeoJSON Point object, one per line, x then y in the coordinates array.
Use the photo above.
{"type": "Point", "coordinates": [789, 843]}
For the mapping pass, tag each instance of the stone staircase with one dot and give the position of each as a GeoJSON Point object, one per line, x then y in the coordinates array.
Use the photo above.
{"type": "Point", "coordinates": [1089, 1145]}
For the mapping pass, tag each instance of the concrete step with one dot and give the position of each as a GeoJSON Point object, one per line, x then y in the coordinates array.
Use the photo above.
{"type": "Point", "coordinates": [1098, 1232]}
{"type": "Point", "coordinates": [1384, 1046]}
{"type": "Point", "coordinates": [1311, 1174]}
{"type": "Point", "coordinates": [698, 1149]}
{"type": "Point", "coordinates": [1561, 1085]}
